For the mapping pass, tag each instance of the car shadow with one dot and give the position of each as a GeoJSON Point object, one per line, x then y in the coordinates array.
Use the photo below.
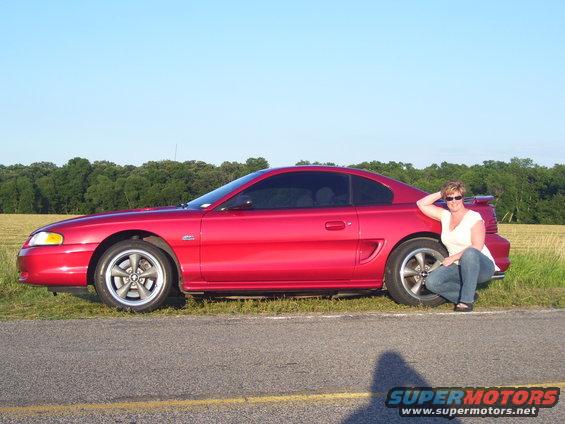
{"type": "Point", "coordinates": [178, 301]}
{"type": "Point", "coordinates": [223, 297]}
{"type": "Point", "coordinates": [391, 370]}
{"type": "Point", "coordinates": [173, 301]}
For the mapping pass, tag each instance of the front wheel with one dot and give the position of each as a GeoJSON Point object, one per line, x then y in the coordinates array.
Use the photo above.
{"type": "Point", "coordinates": [133, 275]}
{"type": "Point", "coordinates": [408, 268]}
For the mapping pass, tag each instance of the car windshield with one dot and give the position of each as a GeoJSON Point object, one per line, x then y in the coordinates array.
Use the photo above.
{"type": "Point", "coordinates": [213, 196]}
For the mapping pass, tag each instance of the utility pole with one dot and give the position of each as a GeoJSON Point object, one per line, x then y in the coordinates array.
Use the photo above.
{"type": "Point", "coordinates": [176, 144]}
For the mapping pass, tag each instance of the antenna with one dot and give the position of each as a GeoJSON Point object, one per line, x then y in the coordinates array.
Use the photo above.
{"type": "Point", "coordinates": [176, 144]}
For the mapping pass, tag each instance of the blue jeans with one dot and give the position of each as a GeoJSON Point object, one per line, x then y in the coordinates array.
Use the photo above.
{"type": "Point", "coordinates": [457, 283]}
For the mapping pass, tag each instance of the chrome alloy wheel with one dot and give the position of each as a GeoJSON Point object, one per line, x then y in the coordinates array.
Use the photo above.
{"type": "Point", "coordinates": [415, 269]}
{"type": "Point", "coordinates": [134, 277]}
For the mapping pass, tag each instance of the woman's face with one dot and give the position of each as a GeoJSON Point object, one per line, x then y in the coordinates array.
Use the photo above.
{"type": "Point", "coordinates": [454, 201]}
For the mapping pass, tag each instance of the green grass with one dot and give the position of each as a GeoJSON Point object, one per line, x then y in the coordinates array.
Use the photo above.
{"type": "Point", "coordinates": [534, 280]}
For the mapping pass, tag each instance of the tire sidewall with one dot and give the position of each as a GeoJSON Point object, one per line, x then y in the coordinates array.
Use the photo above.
{"type": "Point", "coordinates": [111, 253]}
{"type": "Point", "coordinates": [394, 283]}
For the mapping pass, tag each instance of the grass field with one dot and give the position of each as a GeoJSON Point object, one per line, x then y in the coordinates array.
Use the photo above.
{"type": "Point", "coordinates": [535, 279]}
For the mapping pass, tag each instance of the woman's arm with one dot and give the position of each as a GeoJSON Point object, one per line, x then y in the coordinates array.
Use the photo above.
{"type": "Point", "coordinates": [426, 205]}
{"type": "Point", "coordinates": [478, 235]}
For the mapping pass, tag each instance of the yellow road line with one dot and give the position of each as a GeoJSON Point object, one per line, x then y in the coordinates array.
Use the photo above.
{"type": "Point", "coordinates": [77, 408]}
{"type": "Point", "coordinates": [561, 385]}
{"type": "Point", "coordinates": [186, 403]}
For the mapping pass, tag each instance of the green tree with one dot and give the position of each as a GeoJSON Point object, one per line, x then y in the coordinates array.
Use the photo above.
{"type": "Point", "coordinates": [71, 182]}
{"type": "Point", "coordinates": [26, 195]}
{"type": "Point", "coordinates": [135, 187]}
{"type": "Point", "coordinates": [256, 164]}
{"type": "Point", "coordinates": [9, 196]}
{"type": "Point", "coordinates": [524, 192]}
{"type": "Point", "coordinates": [47, 194]}
{"type": "Point", "coordinates": [101, 195]}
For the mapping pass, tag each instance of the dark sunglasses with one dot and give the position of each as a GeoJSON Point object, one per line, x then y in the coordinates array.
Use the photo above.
{"type": "Point", "coordinates": [450, 198]}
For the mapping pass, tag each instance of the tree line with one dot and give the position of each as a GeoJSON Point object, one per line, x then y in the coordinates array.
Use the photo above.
{"type": "Point", "coordinates": [524, 191]}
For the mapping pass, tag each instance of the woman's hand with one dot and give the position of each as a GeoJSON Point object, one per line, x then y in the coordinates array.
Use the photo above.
{"type": "Point", "coordinates": [449, 260]}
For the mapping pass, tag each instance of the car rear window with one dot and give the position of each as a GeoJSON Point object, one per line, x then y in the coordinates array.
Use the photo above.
{"type": "Point", "coordinates": [369, 192]}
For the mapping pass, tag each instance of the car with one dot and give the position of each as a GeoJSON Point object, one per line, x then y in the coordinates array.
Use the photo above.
{"type": "Point", "coordinates": [298, 229]}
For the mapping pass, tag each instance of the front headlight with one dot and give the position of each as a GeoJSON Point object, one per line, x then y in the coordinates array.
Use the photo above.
{"type": "Point", "coordinates": [44, 238]}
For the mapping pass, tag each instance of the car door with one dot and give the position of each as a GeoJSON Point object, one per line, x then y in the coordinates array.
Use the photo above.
{"type": "Point", "coordinates": [301, 227]}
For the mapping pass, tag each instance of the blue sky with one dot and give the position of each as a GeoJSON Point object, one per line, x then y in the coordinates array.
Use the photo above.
{"type": "Point", "coordinates": [412, 81]}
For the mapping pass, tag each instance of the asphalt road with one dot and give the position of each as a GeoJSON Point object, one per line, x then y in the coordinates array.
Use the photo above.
{"type": "Point", "coordinates": [328, 369]}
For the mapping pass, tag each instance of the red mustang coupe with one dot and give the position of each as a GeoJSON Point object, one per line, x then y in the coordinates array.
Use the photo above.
{"type": "Point", "coordinates": [295, 229]}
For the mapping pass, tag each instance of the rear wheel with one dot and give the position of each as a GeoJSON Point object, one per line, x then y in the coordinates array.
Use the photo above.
{"type": "Point", "coordinates": [133, 275]}
{"type": "Point", "coordinates": [408, 269]}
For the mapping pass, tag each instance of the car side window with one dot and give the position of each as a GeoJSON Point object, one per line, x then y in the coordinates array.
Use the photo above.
{"type": "Point", "coordinates": [296, 190]}
{"type": "Point", "coordinates": [369, 192]}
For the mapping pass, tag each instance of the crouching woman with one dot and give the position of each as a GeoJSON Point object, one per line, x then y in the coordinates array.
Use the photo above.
{"type": "Point", "coordinates": [463, 233]}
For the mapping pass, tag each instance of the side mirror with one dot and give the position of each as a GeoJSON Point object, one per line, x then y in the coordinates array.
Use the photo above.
{"type": "Point", "coordinates": [240, 203]}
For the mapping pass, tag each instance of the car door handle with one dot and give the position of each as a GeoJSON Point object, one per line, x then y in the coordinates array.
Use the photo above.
{"type": "Point", "coordinates": [335, 225]}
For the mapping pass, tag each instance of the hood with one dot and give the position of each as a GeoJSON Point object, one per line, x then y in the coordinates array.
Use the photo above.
{"type": "Point", "coordinates": [142, 214]}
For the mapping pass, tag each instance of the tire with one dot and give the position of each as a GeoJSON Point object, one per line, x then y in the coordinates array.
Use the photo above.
{"type": "Point", "coordinates": [149, 286]}
{"type": "Point", "coordinates": [405, 279]}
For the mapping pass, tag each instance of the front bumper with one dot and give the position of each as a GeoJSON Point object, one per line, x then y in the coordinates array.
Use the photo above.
{"type": "Point", "coordinates": [65, 265]}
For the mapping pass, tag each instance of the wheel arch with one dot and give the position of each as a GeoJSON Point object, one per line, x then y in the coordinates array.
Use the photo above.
{"type": "Point", "coordinates": [394, 279]}
{"type": "Point", "coordinates": [423, 234]}
{"type": "Point", "coordinates": [147, 236]}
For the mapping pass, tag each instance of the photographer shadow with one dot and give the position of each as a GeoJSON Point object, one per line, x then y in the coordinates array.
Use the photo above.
{"type": "Point", "coordinates": [391, 371]}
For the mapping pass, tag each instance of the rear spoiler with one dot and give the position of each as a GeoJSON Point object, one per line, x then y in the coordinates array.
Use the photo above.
{"type": "Point", "coordinates": [475, 200]}
{"type": "Point", "coordinates": [491, 225]}
{"type": "Point", "coordinates": [479, 200]}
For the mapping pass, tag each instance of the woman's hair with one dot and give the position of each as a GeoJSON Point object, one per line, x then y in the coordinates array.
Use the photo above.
{"type": "Point", "coordinates": [453, 186]}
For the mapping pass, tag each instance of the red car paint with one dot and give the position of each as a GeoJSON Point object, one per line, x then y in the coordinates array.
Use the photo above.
{"type": "Point", "coordinates": [344, 247]}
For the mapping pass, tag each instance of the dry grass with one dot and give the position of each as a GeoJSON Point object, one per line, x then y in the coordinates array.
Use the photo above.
{"type": "Point", "coordinates": [523, 238]}
{"type": "Point", "coordinates": [535, 239]}
{"type": "Point", "coordinates": [16, 228]}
